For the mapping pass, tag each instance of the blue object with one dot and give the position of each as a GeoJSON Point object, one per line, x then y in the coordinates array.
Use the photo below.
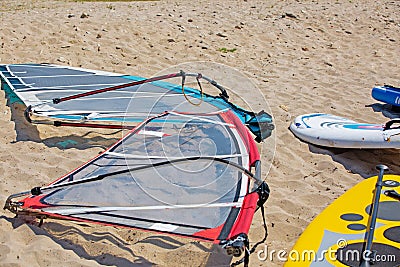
{"type": "Point", "coordinates": [387, 94]}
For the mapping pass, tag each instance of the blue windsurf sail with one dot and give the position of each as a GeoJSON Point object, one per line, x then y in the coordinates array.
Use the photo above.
{"type": "Point", "coordinates": [68, 96]}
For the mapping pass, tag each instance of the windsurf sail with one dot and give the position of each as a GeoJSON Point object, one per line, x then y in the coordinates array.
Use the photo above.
{"type": "Point", "coordinates": [193, 175]}
{"type": "Point", "coordinates": [68, 96]}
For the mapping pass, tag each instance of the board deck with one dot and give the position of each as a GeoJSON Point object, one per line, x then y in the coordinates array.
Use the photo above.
{"type": "Point", "coordinates": [334, 131]}
{"type": "Point", "coordinates": [387, 94]}
{"type": "Point", "coordinates": [336, 236]}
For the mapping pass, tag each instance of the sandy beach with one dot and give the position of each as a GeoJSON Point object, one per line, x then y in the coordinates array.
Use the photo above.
{"type": "Point", "coordinates": [301, 56]}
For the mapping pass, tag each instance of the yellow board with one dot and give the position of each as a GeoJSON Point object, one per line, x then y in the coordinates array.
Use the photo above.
{"type": "Point", "coordinates": [336, 236]}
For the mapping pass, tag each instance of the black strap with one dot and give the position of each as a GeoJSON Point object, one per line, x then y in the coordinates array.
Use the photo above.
{"type": "Point", "coordinates": [390, 123]}
{"type": "Point", "coordinates": [265, 232]}
{"type": "Point", "coordinates": [392, 194]}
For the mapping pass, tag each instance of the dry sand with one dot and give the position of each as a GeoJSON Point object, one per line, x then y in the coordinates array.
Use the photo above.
{"type": "Point", "coordinates": [304, 56]}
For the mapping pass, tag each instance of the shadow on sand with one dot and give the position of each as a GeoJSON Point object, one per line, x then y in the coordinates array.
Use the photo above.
{"type": "Point", "coordinates": [361, 161]}
{"type": "Point", "coordinates": [217, 256]}
{"type": "Point", "coordinates": [61, 137]}
{"type": "Point", "coordinates": [387, 110]}
{"type": "Point", "coordinates": [103, 237]}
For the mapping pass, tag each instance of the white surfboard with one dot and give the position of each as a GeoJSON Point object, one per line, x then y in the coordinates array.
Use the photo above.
{"type": "Point", "coordinates": [334, 131]}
